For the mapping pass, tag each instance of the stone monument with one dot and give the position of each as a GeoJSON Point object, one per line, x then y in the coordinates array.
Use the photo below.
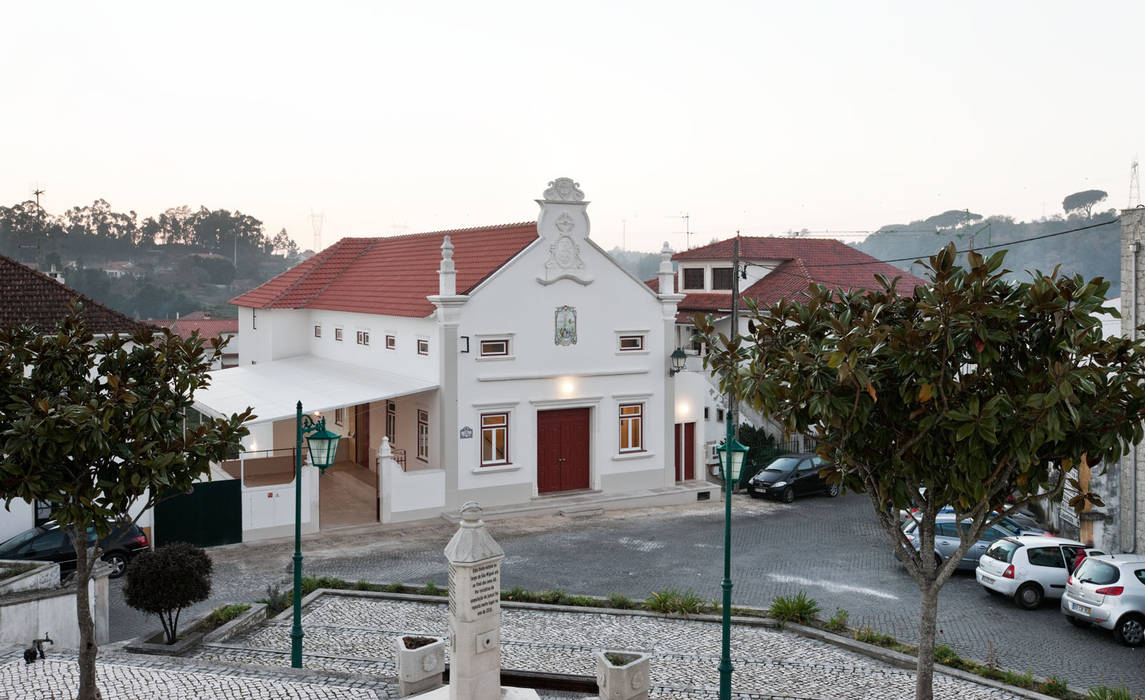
{"type": "Point", "coordinates": [475, 614]}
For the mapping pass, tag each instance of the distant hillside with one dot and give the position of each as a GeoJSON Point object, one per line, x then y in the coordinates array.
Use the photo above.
{"type": "Point", "coordinates": [1091, 253]}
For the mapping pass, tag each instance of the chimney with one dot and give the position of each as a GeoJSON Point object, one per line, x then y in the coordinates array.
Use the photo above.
{"type": "Point", "coordinates": [666, 275]}
{"type": "Point", "coordinates": [446, 274]}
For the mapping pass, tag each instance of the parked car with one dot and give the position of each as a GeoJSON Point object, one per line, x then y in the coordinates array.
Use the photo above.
{"type": "Point", "coordinates": [947, 538]}
{"type": "Point", "coordinates": [1029, 568]}
{"type": "Point", "coordinates": [1026, 523]}
{"type": "Point", "coordinates": [49, 542]}
{"type": "Point", "coordinates": [790, 476]}
{"type": "Point", "coordinates": [1108, 590]}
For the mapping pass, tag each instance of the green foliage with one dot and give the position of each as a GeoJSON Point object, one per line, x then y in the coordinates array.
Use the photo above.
{"type": "Point", "coordinates": [166, 580]}
{"type": "Point", "coordinates": [671, 600]}
{"type": "Point", "coordinates": [225, 613]}
{"type": "Point", "coordinates": [1104, 692]}
{"type": "Point", "coordinates": [430, 588]}
{"type": "Point", "coordinates": [838, 621]}
{"type": "Point", "coordinates": [1084, 201]}
{"type": "Point", "coordinates": [620, 602]}
{"type": "Point", "coordinates": [1054, 687]}
{"type": "Point", "coordinates": [797, 608]}
{"type": "Point", "coordinates": [945, 655]}
{"type": "Point", "coordinates": [276, 601]}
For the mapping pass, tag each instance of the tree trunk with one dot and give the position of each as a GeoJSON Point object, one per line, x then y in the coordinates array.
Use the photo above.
{"type": "Point", "coordinates": [927, 626]}
{"type": "Point", "coordinates": [88, 649]}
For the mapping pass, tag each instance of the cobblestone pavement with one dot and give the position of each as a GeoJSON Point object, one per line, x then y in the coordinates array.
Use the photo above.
{"type": "Point", "coordinates": [831, 548]}
{"type": "Point", "coordinates": [768, 663]}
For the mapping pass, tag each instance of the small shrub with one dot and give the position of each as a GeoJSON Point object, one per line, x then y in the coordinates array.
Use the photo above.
{"type": "Point", "coordinates": [620, 602]}
{"type": "Point", "coordinates": [516, 593]}
{"type": "Point", "coordinates": [553, 597]}
{"type": "Point", "coordinates": [166, 580]}
{"type": "Point", "coordinates": [225, 613]}
{"type": "Point", "coordinates": [798, 608]}
{"type": "Point", "coordinates": [395, 587]}
{"type": "Point", "coordinates": [838, 621]}
{"type": "Point", "coordinates": [1055, 687]}
{"type": "Point", "coordinates": [430, 588]}
{"type": "Point", "coordinates": [276, 600]}
{"type": "Point", "coordinates": [1022, 680]}
{"type": "Point", "coordinates": [945, 655]}
{"type": "Point", "coordinates": [671, 600]}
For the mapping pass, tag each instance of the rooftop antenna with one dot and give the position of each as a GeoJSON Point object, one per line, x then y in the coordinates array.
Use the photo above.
{"type": "Point", "coordinates": [1134, 185]}
{"type": "Point", "coordinates": [316, 221]}
{"type": "Point", "coordinates": [687, 229]}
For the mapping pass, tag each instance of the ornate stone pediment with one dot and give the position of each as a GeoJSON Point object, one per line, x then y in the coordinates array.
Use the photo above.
{"type": "Point", "coordinates": [563, 189]}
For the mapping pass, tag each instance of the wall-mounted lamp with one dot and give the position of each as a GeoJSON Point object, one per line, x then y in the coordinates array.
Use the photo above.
{"type": "Point", "coordinates": [678, 357]}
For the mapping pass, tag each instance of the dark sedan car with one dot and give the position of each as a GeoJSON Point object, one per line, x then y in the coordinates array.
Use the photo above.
{"type": "Point", "coordinates": [790, 476]}
{"type": "Point", "coordinates": [48, 542]}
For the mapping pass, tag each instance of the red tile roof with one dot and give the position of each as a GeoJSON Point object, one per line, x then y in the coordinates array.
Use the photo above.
{"type": "Point", "coordinates": [207, 327]}
{"type": "Point", "coordinates": [33, 298]}
{"type": "Point", "coordinates": [823, 261]}
{"type": "Point", "coordinates": [390, 276]}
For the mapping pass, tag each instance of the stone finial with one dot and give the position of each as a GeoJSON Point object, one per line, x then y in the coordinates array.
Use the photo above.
{"type": "Point", "coordinates": [471, 514]}
{"type": "Point", "coordinates": [563, 189]}
{"type": "Point", "coordinates": [666, 275]}
{"type": "Point", "coordinates": [447, 273]}
{"type": "Point", "coordinates": [472, 542]}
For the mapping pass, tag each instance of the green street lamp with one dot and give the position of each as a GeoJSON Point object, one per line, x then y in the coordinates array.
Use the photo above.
{"type": "Point", "coordinates": [323, 446]}
{"type": "Point", "coordinates": [732, 455]}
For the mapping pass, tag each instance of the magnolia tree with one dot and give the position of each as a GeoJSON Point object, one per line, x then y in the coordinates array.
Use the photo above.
{"type": "Point", "coordinates": [94, 429]}
{"type": "Point", "coordinates": [972, 392]}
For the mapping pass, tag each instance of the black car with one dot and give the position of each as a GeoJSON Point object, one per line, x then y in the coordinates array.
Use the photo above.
{"type": "Point", "coordinates": [49, 542]}
{"type": "Point", "coordinates": [790, 476]}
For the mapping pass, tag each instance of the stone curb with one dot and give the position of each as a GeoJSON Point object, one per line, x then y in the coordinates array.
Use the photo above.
{"type": "Point", "coordinates": [888, 656]}
{"type": "Point", "coordinates": [249, 619]}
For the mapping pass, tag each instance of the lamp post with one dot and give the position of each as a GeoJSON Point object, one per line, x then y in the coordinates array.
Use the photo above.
{"type": "Point", "coordinates": [732, 454]}
{"type": "Point", "coordinates": [323, 446]}
{"type": "Point", "coordinates": [679, 358]}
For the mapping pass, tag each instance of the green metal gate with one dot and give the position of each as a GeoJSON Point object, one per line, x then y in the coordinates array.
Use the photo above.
{"type": "Point", "coordinates": [210, 515]}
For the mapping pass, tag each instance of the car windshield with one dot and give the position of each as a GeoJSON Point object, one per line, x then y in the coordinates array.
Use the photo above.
{"type": "Point", "coordinates": [1094, 571]}
{"type": "Point", "coordinates": [1003, 550]}
{"type": "Point", "coordinates": [16, 542]}
{"type": "Point", "coordinates": [782, 465]}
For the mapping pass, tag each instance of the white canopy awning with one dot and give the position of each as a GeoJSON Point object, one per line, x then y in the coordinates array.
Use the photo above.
{"type": "Point", "coordinates": [273, 388]}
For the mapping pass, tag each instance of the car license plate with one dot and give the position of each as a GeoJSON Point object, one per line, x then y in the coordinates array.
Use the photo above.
{"type": "Point", "coordinates": [987, 579]}
{"type": "Point", "coordinates": [1079, 608]}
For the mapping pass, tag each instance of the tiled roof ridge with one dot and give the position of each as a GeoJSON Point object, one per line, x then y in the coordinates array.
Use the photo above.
{"type": "Point", "coordinates": [429, 234]}
{"type": "Point", "coordinates": [334, 278]}
{"type": "Point", "coordinates": [87, 301]}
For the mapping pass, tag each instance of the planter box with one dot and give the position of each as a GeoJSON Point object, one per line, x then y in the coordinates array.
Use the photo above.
{"type": "Point", "coordinates": [421, 661]}
{"type": "Point", "coordinates": [193, 632]}
{"type": "Point", "coordinates": [623, 675]}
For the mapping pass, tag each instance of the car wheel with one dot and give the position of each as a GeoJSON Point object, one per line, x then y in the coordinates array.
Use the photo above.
{"type": "Point", "coordinates": [1130, 630]}
{"type": "Point", "coordinates": [1076, 622]}
{"type": "Point", "coordinates": [118, 562]}
{"type": "Point", "coordinates": [1029, 596]}
{"type": "Point", "coordinates": [788, 495]}
{"type": "Point", "coordinates": [832, 490]}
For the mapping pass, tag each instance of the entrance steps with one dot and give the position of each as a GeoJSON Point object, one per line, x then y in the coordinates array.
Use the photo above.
{"type": "Point", "coordinates": [588, 503]}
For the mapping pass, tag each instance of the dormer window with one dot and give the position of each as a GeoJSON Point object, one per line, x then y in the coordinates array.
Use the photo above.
{"type": "Point", "coordinates": [694, 278]}
{"type": "Point", "coordinates": [722, 278]}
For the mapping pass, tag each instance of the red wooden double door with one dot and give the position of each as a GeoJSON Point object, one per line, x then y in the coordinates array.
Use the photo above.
{"type": "Point", "coordinates": [562, 450]}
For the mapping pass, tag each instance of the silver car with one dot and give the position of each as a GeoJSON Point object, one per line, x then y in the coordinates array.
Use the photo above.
{"type": "Point", "coordinates": [947, 538]}
{"type": "Point", "coordinates": [1109, 591]}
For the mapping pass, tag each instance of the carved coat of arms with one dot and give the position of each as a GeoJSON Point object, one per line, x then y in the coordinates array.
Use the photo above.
{"type": "Point", "coordinates": [565, 323]}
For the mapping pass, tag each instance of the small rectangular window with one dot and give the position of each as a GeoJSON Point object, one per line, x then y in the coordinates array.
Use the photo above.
{"type": "Point", "coordinates": [422, 347]}
{"type": "Point", "coordinates": [706, 412]}
{"type": "Point", "coordinates": [494, 439]}
{"type": "Point", "coordinates": [631, 427]}
{"type": "Point", "coordinates": [338, 335]}
{"type": "Point", "coordinates": [317, 331]}
{"type": "Point", "coordinates": [391, 342]}
{"type": "Point", "coordinates": [391, 421]}
{"type": "Point", "coordinates": [722, 278]}
{"type": "Point", "coordinates": [363, 337]}
{"type": "Point", "coordinates": [340, 416]}
{"type": "Point", "coordinates": [253, 319]}
{"type": "Point", "coordinates": [498, 347]}
{"type": "Point", "coordinates": [720, 415]}
{"type": "Point", "coordinates": [631, 342]}
{"type": "Point", "coordinates": [423, 435]}
{"type": "Point", "coordinates": [693, 278]}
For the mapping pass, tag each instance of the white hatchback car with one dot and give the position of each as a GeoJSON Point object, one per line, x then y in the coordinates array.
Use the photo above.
{"type": "Point", "coordinates": [1109, 591]}
{"type": "Point", "coordinates": [1029, 568]}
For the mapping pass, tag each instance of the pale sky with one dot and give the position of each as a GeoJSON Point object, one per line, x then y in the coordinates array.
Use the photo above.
{"type": "Point", "coordinates": [419, 116]}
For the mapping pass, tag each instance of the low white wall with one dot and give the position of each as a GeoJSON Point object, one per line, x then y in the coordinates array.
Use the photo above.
{"type": "Point", "coordinates": [411, 495]}
{"type": "Point", "coordinates": [268, 511]}
{"type": "Point", "coordinates": [30, 614]}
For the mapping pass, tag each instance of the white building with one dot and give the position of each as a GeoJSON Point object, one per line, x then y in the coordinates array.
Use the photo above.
{"type": "Point", "coordinates": [515, 365]}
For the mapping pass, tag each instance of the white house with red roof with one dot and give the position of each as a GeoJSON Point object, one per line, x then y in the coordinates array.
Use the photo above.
{"type": "Point", "coordinates": [515, 365]}
{"type": "Point", "coordinates": [772, 269]}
